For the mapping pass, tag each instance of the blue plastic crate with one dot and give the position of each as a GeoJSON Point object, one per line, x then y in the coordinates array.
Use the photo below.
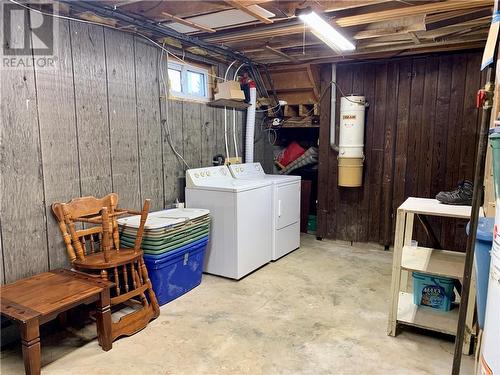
{"type": "Point", "coordinates": [433, 291]}
{"type": "Point", "coordinates": [176, 273]}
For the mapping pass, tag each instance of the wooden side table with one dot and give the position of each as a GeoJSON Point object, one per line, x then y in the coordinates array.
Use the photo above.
{"type": "Point", "coordinates": [445, 263]}
{"type": "Point", "coordinates": [36, 300]}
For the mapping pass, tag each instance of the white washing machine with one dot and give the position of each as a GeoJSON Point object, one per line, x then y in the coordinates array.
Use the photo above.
{"type": "Point", "coordinates": [285, 205]}
{"type": "Point", "coordinates": [240, 240]}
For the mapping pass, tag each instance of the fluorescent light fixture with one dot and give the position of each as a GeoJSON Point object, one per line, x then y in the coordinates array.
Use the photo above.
{"type": "Point", "coordinates": [324, 31]}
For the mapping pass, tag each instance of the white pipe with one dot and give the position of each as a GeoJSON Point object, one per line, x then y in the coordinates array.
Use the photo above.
{"type": "Point", "coordinates": [333, 105]}
{"type": "Point", "coordinates": [225, 132]}
{"type": "Point", "coordinates": [235, 140]}
{"type": "Point", "coordinates": [250, 131]}
{"type": "Point", "coordinates": [225, 112]}
{"type": "Point", "coordinates": [229, 67]}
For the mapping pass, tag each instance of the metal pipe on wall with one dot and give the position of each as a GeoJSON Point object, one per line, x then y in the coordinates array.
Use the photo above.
{"type": "Point", "coordinates": [333, 105]}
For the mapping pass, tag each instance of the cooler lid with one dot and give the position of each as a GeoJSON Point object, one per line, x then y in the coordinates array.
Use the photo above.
{"type": "Point", "coordinates": [164, 218]}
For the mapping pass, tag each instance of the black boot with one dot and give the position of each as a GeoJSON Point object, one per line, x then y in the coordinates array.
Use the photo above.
{"type": "Point", "coordinates": [461, 196]}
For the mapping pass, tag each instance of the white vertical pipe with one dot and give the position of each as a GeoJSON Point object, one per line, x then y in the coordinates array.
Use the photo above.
{"type": "Point", "coordinates": [235, 139]}
{"type": "Point", "coordinates": [250, 130]}
{"type": "Point", "coordinates": [234, 117]}
{"type": "Point", "coordinates": [225, 132]}
{"type": "Point", "coordinates": [225, 111]}
{"type": "Point", "coordinates": [333, 105]}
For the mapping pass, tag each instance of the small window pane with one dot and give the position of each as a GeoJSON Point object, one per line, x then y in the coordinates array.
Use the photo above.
{"type": "Point", "coordinates": [195, 83]}
{"type": "Point", "coordinates": [174, 77]}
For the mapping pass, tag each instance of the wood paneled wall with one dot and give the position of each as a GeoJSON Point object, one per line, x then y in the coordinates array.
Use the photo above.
{"type": "Point", "coordinates": [94, 125]}
{"type": "Point", "coordinates": [420, 138]}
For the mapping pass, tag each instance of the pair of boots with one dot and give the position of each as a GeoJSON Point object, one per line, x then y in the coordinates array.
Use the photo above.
{"type": "Point", "coordinates": [460, 196]}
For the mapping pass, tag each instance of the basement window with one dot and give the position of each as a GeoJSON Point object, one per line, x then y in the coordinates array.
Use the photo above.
{"type": "Point", "coordinates": [188, 82]}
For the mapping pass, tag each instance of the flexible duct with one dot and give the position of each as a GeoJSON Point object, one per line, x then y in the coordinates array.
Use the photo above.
{"type": "Point", "coordinates": [250, 129]}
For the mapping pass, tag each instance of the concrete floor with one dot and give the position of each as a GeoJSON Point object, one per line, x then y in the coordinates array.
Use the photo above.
{"type": "Point", "coordinates": [320, 310]}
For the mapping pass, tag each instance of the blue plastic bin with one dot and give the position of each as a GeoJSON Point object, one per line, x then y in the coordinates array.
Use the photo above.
{"type": "Point", "coordinates": [484, 241]}
{"type": "Point", "coordinates": [177, 272]}
{"type": "Point", "coordinates": [432, 291]}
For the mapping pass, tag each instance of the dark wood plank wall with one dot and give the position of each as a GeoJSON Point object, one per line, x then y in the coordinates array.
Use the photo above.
{"type": "Point", "coordinates": [420, 138]}
{"type": "Point", "coordinates": [94, 125]}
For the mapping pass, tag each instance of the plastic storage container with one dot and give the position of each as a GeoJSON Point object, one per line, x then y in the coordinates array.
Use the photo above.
{"type": "Point", "coordinates": [311, 224]}
{"type": "Point", "coordinates": [176, 272]}
{"type": "Point", "coordinates": [484, 241]}
{"type": "Point", "coordinates": [432, 291]}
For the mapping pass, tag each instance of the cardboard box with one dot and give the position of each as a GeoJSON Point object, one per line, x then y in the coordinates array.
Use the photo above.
{"type": "Point", "coordinates": [229, 90]}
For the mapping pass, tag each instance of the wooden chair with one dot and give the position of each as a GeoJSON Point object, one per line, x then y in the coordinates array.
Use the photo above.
{"type": "Point", "coordinates": [96, 250]}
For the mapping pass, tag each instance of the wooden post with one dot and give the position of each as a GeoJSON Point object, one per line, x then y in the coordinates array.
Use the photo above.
{"type": "Point", "coordinates": [396, 271]}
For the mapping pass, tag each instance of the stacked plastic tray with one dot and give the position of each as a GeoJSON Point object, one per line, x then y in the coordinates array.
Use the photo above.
{"type": "Point", "coordinates": [174, 243]}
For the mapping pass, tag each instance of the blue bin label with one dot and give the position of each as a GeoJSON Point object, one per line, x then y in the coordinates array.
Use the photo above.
{"type": "Point", "coordinates": [186, 258]}
{"type": "Point", "coordinates": [433, 296]}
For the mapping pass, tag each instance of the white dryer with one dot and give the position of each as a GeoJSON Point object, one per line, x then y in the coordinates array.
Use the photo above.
{"type": "Point", "coordinates": [240, 240]}
{"type": "Point", "coordinates": [285, 204]}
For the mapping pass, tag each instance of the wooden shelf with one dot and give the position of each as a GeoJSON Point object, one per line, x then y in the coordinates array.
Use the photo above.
{"type": "Point", "coordinates": [426, 317]}
{"type": "Point", "coordinates": [229, 103]}
{"type": "Point", "coordinates": [432, 207]}
{"type": "Point", "coordinates": [435, 262]}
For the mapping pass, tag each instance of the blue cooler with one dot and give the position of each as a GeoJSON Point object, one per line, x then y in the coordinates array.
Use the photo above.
{"type": "Point", "coordinates": [484, 241]}
{"type": "Point", "coordinates": [177, 272]}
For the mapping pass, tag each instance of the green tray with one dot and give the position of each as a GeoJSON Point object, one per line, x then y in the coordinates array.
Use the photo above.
{"type": "Point", "coordinates": [171, 247]}
{"type": "Point", "coordinates": [158, 241]}
{"type": "Point", "coordinates": [130, 232]}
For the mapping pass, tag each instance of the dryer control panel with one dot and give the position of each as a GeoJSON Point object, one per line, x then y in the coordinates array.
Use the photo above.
{"type": "Point", "coordinates": [246, 170]}
{"type": "Point", "coordinates": [201, 176]}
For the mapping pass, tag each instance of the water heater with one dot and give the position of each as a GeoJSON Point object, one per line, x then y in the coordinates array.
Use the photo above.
{"type": "Point", "coordinates": [351, 140]}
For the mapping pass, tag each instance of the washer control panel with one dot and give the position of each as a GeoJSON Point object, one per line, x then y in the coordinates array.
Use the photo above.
{"type": "Point", "coordinates": [199, 176]}
{"type": "Point", "coordinates": [246, 170]}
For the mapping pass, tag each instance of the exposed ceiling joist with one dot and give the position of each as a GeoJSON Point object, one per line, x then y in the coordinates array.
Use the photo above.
{"type": "Point", "coordinates": [415, 38]}
{"type": "Point", "coordinates": [402, 26]}
{"type": "Point", "coordinates": [182, 21]}
{"type": "Point", "coordinates": [243, 7]}
{"type": "Point", "coordinates": [377, 26]}
{"type": "Point", "coordinates": [433, 22]}
{"type": "Point", "coordinates": [411, 10]}
{"type": "Point", "coordinates": [125, 2]}
{"type": "Point", "coordinates": [279, 53]}
{"type": "Point", "coordinates": [143, 23]}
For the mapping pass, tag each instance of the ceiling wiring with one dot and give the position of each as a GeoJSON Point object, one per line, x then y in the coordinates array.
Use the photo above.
{"type": "Point", "coordinates": [135, 32]}
{"type": "Point", "coordinates": [165, 122]}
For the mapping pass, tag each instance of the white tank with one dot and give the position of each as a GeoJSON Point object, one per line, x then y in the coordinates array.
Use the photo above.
{"type": "Point", "coordinates": [352, 126]}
